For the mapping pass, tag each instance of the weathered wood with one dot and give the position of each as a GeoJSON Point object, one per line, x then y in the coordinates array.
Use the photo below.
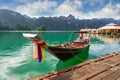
{"type": "Point", "coordinates": [102, 68]}
{"type": "Point", "coordinates": [105, 73]}
{"type": "Point", "coordinates": [96, 68]}
{"type": "Point", "coordinates": [115, 75]}
{"type": "Point", "coordinates": [118, 78]}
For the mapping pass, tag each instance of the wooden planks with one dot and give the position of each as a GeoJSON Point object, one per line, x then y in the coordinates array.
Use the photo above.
{"type": "Point", "coordinates": [105, 73]}
{"type": "Point", "coordinates": [103, 68]}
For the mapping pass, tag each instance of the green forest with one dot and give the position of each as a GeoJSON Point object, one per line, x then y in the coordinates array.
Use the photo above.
{"type": "Point", "coordinates": [70, 23]}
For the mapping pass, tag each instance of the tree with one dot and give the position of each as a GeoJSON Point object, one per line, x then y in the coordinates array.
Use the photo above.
{"type": "Point", "coordinates": [40, 28]}
{"type": "Point", "coordinates": [21, 27]}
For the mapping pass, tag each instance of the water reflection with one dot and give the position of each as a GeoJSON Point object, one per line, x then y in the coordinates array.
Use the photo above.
{"type": "Point", "coordinates": [56, 38]}
{"type": "Point", "coordinates": [9, 40]}
{"type": "Point", "coordinates": [102, 44]}
{"type": "Point", "coordinates": [107, 38]}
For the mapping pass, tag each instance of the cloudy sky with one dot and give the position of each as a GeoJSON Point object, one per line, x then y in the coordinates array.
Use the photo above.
{"type": "Point", "coordinates": [82, 9]}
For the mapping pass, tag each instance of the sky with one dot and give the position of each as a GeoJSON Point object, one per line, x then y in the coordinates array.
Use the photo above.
{"type": "Point", "coordinates": [82, 9]}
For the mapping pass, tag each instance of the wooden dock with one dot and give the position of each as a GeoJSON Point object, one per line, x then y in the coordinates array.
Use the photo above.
{"type": "Point", "coordinates": [102, 68]}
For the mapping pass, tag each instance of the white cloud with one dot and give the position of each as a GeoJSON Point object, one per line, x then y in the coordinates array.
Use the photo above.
{"type": "Point", "coordinates": [109, 11]}
{"type": "Point", "coordinates": [23, 1]}
{"type": "Point", "coordinates": [74, 7]}
{"type": "Point", "coordinates": [4, 7]}
{"type": "Point", "coordinates": [37, 8]}
{"type": "Point", "coordinates": [69, 7]}
{"type": "Point", "coordinates": [94, 2]}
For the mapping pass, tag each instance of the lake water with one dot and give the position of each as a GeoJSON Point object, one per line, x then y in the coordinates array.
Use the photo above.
{"type": "Point", "coordinates": [16, 62]}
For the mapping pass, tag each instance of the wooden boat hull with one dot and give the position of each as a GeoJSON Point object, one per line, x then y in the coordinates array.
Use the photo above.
{"type": "Point", "coordinates": [65, 53]}
{"type": "Point", "coordinates": [79, 58]}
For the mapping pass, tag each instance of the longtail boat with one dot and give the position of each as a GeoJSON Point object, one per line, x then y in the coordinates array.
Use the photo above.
{"type": "Point", "coordinates": [62, 51]}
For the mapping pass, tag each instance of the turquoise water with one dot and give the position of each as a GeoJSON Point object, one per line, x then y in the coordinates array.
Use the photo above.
{"type": "Point", "coordinates": [16, 62]}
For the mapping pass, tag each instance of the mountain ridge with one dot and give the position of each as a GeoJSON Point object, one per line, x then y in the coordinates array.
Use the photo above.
{"type": "Point", "coordinates": [11, 20]}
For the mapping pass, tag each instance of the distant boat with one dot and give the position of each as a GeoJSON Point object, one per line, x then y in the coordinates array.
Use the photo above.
{"type": "Point", "coordinates": [63, 51]}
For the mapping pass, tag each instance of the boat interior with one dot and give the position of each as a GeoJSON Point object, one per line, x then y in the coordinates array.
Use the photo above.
{"type": "Point", "coordinates": [74, 44]}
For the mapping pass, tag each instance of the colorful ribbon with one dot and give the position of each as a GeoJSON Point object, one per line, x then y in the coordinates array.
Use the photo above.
{"type": "Point", "coordinates": [39, 51]}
